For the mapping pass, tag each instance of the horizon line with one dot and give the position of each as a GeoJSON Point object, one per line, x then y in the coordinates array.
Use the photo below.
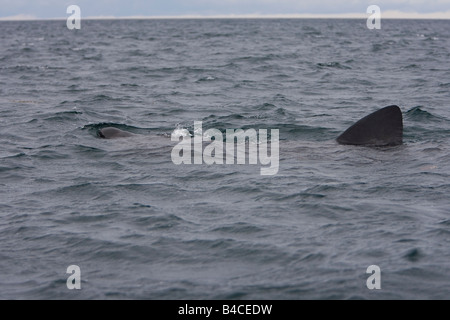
{"type": "Point", "coordinates": [384, 15]}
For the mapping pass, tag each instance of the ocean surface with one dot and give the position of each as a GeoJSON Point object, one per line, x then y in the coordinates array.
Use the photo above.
{"type": "Point", "coordinates": [141, 227]}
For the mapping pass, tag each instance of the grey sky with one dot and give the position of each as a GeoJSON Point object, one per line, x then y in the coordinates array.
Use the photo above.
{"type": "Point", "coordinates": [126, 8]}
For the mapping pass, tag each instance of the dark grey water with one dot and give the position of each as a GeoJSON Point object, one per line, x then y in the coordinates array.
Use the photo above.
{"type": "Point", "coordinates": [141, 227]}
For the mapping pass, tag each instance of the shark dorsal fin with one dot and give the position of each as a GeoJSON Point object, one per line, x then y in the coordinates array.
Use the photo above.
{"type": "Point", "coordinates": [381, 128]}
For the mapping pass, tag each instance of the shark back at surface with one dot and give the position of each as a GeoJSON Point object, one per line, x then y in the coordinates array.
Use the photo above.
{"type": "Point", "coordinates": [383, 127]}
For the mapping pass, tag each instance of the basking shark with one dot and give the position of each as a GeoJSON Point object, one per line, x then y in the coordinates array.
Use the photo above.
{"type": "Point", "coordinates": [113, 133]}
{"type": "Point", "coordinates": [383, 127]}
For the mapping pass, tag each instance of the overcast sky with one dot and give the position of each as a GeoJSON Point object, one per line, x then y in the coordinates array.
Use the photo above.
{"type": "Point", "coordinates": [130, 8]}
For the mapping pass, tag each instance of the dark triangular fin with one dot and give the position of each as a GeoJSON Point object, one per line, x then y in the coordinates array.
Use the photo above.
{"type": "Point", "coordinates": [381, 128]}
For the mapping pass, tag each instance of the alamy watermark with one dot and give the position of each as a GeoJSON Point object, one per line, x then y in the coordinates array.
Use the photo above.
{"type": "Point", "coordinates": [374, 281]}
{"type": "Point", "coordinates": [258, 147]}
{"type": "Point", "coordinates": [74, 21]}
{"type": "Point", "coordinates": [74, 280]}
{"type": "Point", "coordinates": [374, 21]}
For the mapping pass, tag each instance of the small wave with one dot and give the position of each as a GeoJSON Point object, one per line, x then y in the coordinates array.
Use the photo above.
{"type": "Point", "coordinates": [26, 101]}
{"type": "Point", "coordinates": [28, 49]}
{"type": "Point", "coordinates": [139, 53]}
{"type": "Point", "coordinates": [265, 111]}
{"type": "Point", "coordinates": [76, 88]}
{"type": "Point", "coordinates": [207, 78]}
{"type": "Point", "coordinates": [413, 255]}
{"type": "Point", "coordinates": [28, 68]}
{"type": "Point", "coordinates": [95, 57]}
{"type": "Point", "coordinates": [427, 126]}
{"type": "Point", "coordinates": [411, 66]}
{"type": "Point", "coordinates": [376, 47]}
{"type": "Point", "coordinates": [332, 64]}
{"type": "Point", "coordinates": [131, 85]}
{"type": "Point", "coordinates": [217, 35]}
{"type": "Point", "coordinates": [311, 31]}
{"type": "Point", "coordinates": [15, 156]}
{"type": "Point", "coordinates": [50, 154]}
{"type": "Point", "coordinates": [88, 150]}
{"type": "Point", "coordinates": [64, 115]}
{"type": "Point", "coordinates": [417, 114]}
{"type": "Point", "coordinates": [239, 227]}
{"type": "Point", "coordinates": [254, 59]}
{"type": "Point", "coordinates": [104, 97]}
{"type": "Point", "coordinates": [157, 222]}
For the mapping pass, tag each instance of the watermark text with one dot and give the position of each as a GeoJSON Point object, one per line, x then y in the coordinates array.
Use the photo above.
{"type": "Point", "coordinates": [191, 150]}
{"type": "Point", "coordinates": [374, 20]}
{"type": "Point", "coordinates": [73, 21]}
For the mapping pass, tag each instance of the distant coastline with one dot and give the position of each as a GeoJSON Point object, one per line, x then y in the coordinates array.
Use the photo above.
{"type": "Point", "coordinates": [385, 15]}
